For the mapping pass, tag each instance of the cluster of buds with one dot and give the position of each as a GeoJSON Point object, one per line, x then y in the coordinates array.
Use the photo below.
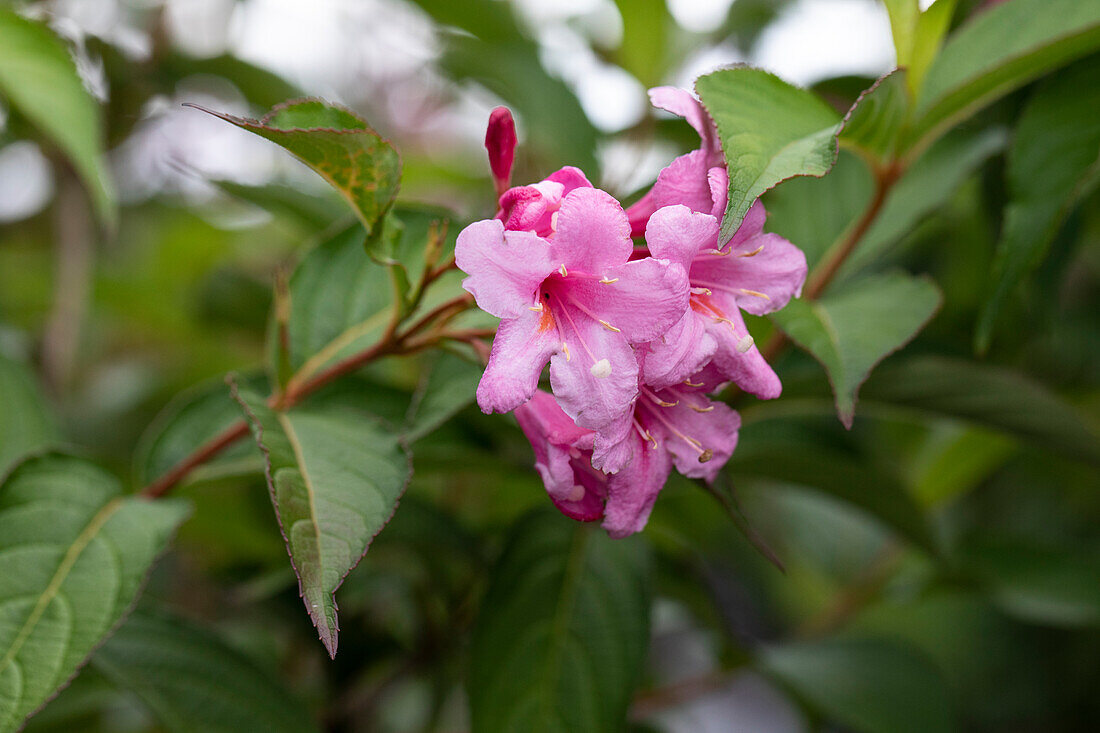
{"type": "Point", "coordinates": [637, 336]}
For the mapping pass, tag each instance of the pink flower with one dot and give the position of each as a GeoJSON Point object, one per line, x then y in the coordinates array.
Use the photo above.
{"type": "Point", "coordinates": [500, 142]}
{"type": "Point", "coordinates": [576, 300]}
{"type": "Point", "coordinates": [754, 272]}
{"type": "Point", "coordinates": [685, 180]}
{"type": "Point", "coordinates": [534, 208]}
{"type": "Point", "coordinates": [677, 426]}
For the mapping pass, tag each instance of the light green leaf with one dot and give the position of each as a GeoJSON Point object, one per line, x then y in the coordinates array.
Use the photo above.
{"type": "Point", "coordinates": [312, 213]}
{"type": "Point", "coordinates": [989, 396]}
{"type": "Point", "coordinates": [877, 118]}
{"type": "Point", "coordinates": [927, 39]}
{"type": "Point", "coordinates": [193, 681]}
{"type": "Point", "coordinates": [338, 145]}
{"type": "Point", "coordinates": [1054, 160]}
{"type": "Point", "coordinates": [645, 32]}
{"type": "Point", "coordinates": [447, 385]}
{"type": "Point", "coordinates": [851, 331]}
{"type": "Point", "coordinates": [998, 50]}
{"type": "Point", "coordinates": [865, 685]}
{"type": "Point", "coordinates": [770, 131]}
{"type": "Point", "coordinates": [75, 553]}
{"type": "Point", "coordinates": [25, 423]}
{"type": "Point", "coordinates": [189, 420]}
{"type": "Point", "coordinates": [335, 474]}
{"type": "Point", "coordinates": [562, 632]}
{"type": "Point", "coordinates": [903, 27]}
{"type": "Point", "coordinates": [39, 78]}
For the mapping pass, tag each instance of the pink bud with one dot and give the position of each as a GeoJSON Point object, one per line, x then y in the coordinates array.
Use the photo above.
{"type": "Point", "coordinates": [500, 141]}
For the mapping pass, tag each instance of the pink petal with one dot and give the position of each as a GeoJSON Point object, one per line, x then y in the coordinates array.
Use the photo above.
{"type": "Point", "coordinates": [685, 181]}
{"type": "Point", "coordinates": [570, 178]}
{"type": "Point", "coordinates": [531, 208]}
{"type": "Point", "coordinates": [638, 213]}
{"type": "Point", "coordinates": [715, 430]}
{"type": "Point", "coordinates": [500, 142]}
{"type": "Point", "coordinates": [596, 382]}
{"type": "Point", "coordinates": [682, 103]}
{"type": "Point", "coordinates": [592, 232]}
{"type": "Point", "coordinates": [520, 351]}
{"type": "Point", "coordinates": [632, 492]}
{"type": "Point", "coordinates": [681, 352]}
{"type": "Point", "coordinates": [678, 234]}
{"type": "Point", "coordinates": [505, 268]}
{"type": "Point", "coordinates": [641, 299]}
{"type": "Point", "coordinates": [612, 449]}
{"type": "Point", "coordinates": [761, 274]}
{"type": "Point", "coordinates": [747, 369]}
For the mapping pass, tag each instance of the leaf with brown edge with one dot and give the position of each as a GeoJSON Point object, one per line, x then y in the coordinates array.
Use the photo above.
{"type": "Point", "coordinates": [336, 143]}
{"type": "Point", "coordinates": [336, 474]}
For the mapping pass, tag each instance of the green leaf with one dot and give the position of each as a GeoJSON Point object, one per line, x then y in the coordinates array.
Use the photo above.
{"type": "Point", "coordinates": [877, 118]}
{"type": "Point", "coordinates": [903, 27]}
{"type": "Point", "coordinates": [865, 685]}
{"type": "Point", "coordinates": [988, 396]}
{"type": "Point", "coordinates": [851, 331]}
{"type": "Point", "coordinates": [770, 131]}
{"type": "Point", "coordinates": [311, 212]}
{"type": "Point", "coordinates": [340, 302]}
{"type": "Point", "coordinates": [338, 145]}
{"type": "Point", "coordinates": [561, 637]}
{"type": "Point", "coordinates": [1046, 585]}
{"type": "Point", "coordinates": [447, 385]}
{"type": "Point", "coordinates": [335, 474]}
{"type": "Point", "coordinates": [414, 238]}
{"type": "Point", "coordinates": [192, 418]}
{"type": "Point", "coordinates": [76, 553]}
{"type": "Point", "coordinates": [25, 423]}
{"type": "Point", "coordinates": [193, 681]}
{"type": "Point", "coordinates": [39, 79]}
{"type": "Point", "coordinates": [1001, 49]}
{"type": "Point", "coordinates": [927, 39]}
{"type": "Point", "coordinates": [773, 451]}
{"type": "Point", "coordinates": [1054, 159]}
{"type": "Point", "coordinates": [645, 33]}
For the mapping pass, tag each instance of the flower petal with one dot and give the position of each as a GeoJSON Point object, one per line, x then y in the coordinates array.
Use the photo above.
{"type": "Point", "coordinates": [762, 274]}
{"type": "Point", "coordinates": [747, 369]}
{"type": "Point", "coordinates": [678, 234]}
{"type": "Point", "coordinates": [596, 380]}
{"type": "Point", "coordinates": [612, 449]}
{"type": "Point", "coordinates": [712, 425]}
{"type": "Point", "coordinates": [520, 351]}
{"type": "Point", "coordinates": [681, 352]}
{"type": "Point", "coordinates": [505, 268]}
{"type": "Point", "coordinates": [632, 492]}
{"type": "Point", "coordinates": [570, 177]}
{"type": "Point", "coordinates": [641, 299]}
{"type": "Point", "coordinates": [592, 232]}
{"type": "Point", "coordinates": [685, 181]}
{"type": "Point", "coordinates": [682, 103]}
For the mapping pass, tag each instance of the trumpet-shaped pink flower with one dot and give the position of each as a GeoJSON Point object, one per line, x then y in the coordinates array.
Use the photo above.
{"type": "Point", "coordinates": [753, 272]}
{"type": "Point", "coordinates": [685, 179]}
{"type": "Point", "coordinates": [677, 427]}
{"type": "Point", "coordinates": [576, 300]}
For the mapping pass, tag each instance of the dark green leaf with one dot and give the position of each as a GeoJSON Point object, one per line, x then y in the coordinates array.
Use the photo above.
{"type": "Point", "coordinates": [311, 212]}
{"type": "Point", "coordinates": [562, 633]}
{"type": "Point", "coordinates": [414, 237]}
{"type": "Point", "coordinates": [770, 131]}
{"type": "Point", "coordinates": [193, 681]}
{"type": "Point", "coordinates": [447, 385]}
{"type": "Point", "coordinates": [354, 159]}
{"type": "Point", "coordinates": [25, 423]}
{"type": "Point", "coordinates": [877, 118]}
{"type": "Point", "coordinates": [998, 50]}
{"type": "Point", "coordinates": [988, 396]}
{"type": "Point", "coordinates": [75, 553]}
{"type": "Point", "coordinates": [335, 474]}
{"type": "Point", "coordinates": [1054, 158]}
{"type": "Point", "coordinates": [866, 685]}
{"type": "Point", "coordinates": [39, 78]}
{"type": "Point", "coordinates": [851, 331]}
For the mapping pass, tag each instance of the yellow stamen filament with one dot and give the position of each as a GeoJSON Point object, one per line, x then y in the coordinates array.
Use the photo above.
{"type": "Point", "coordinates": [563, 271]}
{"type": "Point", "coordinates": [701, 409]}
{"type": "Point", "coordinates": [536, 308]}
{"type": "Point", "coordinates": [753, 253]}
{"type": "Point", "coordinates": [690, 383]}
{"type": "Point", "coordinates": [701, 291]}
{"type": "Point", "coordinates": [755, 294]}
{"type": "Point", "coordinates": [719, 252]}
{"type": "Point", "coordinates": [609, 327]}
{"type": "Point", "coordinates": [565, 349]}
{"type": "Point", "coordinates": [608, 280]}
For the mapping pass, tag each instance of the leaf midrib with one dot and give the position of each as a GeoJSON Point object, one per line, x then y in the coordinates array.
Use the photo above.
{"type": "Point", "coordinates": [570, 584]}
{"type": "Point", "coordinates": [63, 569]}
{"type": "Point", "coordinates": [299, 459]}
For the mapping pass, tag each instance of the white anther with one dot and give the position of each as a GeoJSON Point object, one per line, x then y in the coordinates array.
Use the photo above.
{"type": "Point", "coordinates": [745, 343]}
{"type": "Point", "coordinates": [700, 291]}
{"type": "Point", "coordinates": [563, 271]}
{"type": "Point", "coordinates": [601, 369]}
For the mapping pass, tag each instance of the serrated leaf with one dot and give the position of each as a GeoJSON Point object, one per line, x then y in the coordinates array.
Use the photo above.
{"type": "Point", "coordinates": [335, 474]}
{"type": "Point", "coordinates": [75, 553]}
{"type": "Point", "coordinates": [39, 78]}
{"type": "Point", "coordinates": [986, 395]}
{"type": "Point", "coordinates": [1054, 159]}
{"type": "Point", "coordinates": [338, 145]}
{"type": "Point", "coordinates": [192, 418]}
{"type": "Point", "coordinates": [25, 422]}
{"type": "Point", "coordinates": [770, 131]}
{"type": "Point", "coordinates": [878, 118]}
{"type": "Point", "coordinates": [562, 633]}
{"type": "Point", "coordinates": [193, 681]}
{"type": "Point", "coordinates": [447, 385]}
{"type": "Point", "coordinates": [851, 331]}
{"type": "Point", "coordinates": [998, 50]}
{"type": "Point", "coordinates": [866, 685]}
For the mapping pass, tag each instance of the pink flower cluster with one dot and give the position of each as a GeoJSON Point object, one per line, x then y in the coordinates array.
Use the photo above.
{"type": "Point", "coordinates": [636, 337]}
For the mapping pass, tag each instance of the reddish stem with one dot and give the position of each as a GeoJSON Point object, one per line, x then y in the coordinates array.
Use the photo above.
{"type": "Point", "coordinates": [204, 453]}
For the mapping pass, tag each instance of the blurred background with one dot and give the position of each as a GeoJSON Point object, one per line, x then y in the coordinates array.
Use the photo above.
{"type": "Point", "coordinates": [1003, 634]}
